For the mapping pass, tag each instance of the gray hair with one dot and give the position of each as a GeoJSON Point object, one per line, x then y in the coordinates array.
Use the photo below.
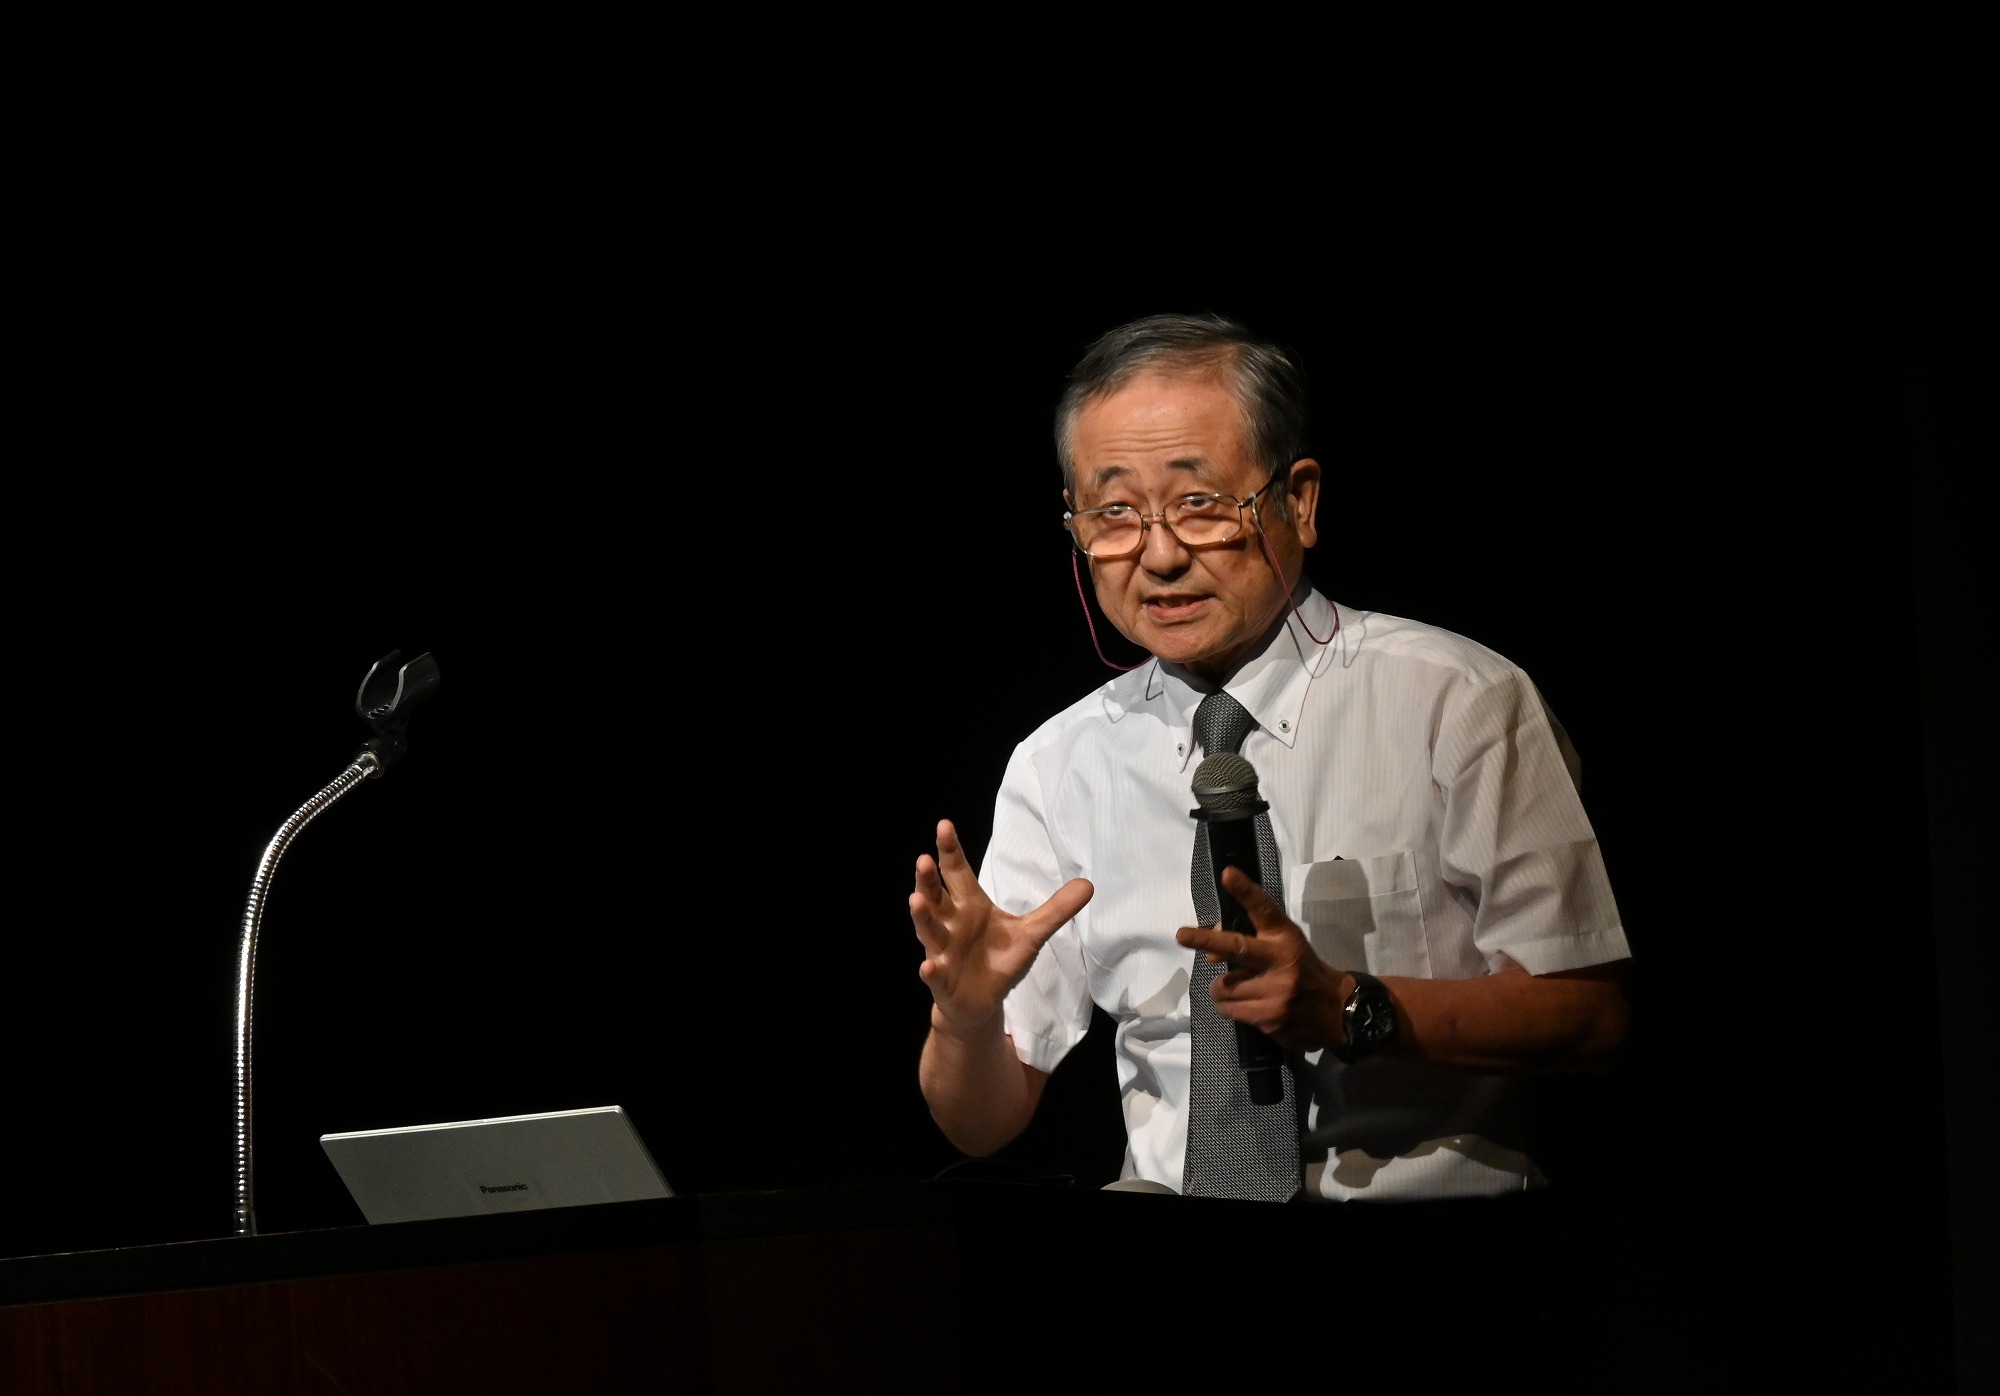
{"type": "Point", "coordinates": [1260, 375]}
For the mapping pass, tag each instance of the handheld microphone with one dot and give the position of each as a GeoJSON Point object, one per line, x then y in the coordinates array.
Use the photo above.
{"type": "Point", "coordinates": [1225, 789]}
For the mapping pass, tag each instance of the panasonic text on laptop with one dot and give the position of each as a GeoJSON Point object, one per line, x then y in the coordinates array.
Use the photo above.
{"type": "Point", "coordinates": [566, 1158]}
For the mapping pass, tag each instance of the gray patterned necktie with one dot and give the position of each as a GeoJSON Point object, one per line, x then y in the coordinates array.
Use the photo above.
{"type": "Point", "coordinates": [1235, 1148]}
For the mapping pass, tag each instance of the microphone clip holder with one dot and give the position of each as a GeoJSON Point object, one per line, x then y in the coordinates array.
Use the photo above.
{"type": "Point", "coordinates": [384, 701]}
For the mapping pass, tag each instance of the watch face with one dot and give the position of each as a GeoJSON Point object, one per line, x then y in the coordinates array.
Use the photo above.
{"type": "Point", "coordinates": [1373, 1021]}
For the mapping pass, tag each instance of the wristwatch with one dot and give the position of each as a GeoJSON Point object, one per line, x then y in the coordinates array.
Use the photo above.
{"type": "Point", "coordinates": [1368, 1018]}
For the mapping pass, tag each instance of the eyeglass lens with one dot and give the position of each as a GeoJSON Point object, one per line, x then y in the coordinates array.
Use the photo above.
{"type": "Point", "coordinates": [1196, 520]}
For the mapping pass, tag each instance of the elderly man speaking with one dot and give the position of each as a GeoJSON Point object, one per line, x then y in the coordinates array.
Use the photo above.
{"type": "Point", "coordinates": [1429, 918]}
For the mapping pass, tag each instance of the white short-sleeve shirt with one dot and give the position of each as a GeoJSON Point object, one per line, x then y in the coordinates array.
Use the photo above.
{"type": "Point", "coordinates": [1427, 825]}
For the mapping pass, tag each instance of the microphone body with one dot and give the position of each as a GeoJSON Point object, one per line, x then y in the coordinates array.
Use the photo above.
{"type": "Point", "coordinates": [1225, 788]}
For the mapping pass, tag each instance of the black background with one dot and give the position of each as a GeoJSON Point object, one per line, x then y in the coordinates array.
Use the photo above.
{"type": "Point", "coordinates": [730, 516]}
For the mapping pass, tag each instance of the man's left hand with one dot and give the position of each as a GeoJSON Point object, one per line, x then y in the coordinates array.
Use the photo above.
{"type": "Point", "coordinates": [1275, 983]}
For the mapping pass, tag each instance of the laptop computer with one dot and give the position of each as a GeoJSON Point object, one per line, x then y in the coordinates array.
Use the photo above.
{"type": "Point", "coordinates": [515, 1163]}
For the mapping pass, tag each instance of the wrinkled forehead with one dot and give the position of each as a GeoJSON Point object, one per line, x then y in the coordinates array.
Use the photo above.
{"type": "Point", "coordinates": [1170, 432]}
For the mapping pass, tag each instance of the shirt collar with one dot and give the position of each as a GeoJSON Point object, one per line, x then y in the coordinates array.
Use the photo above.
{"type": "Point", "coordinates": [1271, 684]}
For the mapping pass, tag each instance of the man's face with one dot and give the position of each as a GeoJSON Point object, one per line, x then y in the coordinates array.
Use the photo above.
{"type": "Point", "coordinates": [1154, 440]}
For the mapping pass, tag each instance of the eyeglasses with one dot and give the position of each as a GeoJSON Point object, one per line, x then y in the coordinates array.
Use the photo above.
{"type": "Point", "coordinates": [1118, 531]}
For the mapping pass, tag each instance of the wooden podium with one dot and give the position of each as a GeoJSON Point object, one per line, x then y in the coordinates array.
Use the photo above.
{"type": "Point", "coordinates": [935, 1286]}
{"type": "Point", "coordinates": [831, 1290]}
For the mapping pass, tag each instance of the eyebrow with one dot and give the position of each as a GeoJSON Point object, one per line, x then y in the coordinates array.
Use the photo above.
{"type": "Point", "coordinates": [1192, 465]}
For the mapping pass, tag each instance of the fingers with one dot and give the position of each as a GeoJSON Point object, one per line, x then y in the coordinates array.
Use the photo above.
{"type": "Point", "coordinates": [927, 896]}
{"type": "Point", "coordinates": [946, 903]}
{"type": "Point", "coordinates": [924, 918]}
{"type": "Point", "coordinates": [930, 882]}
{"type": "Point", "coordinates": [951, 853]}
{"type": "Point", "coordinates": [1220, 945]}
{"type": "Point", "coordinates": [954, 878]}
{"type": "Point", "coordinates": [1055, 913]}
{"type": "Point", "coordinates": [949, 909]}
{"type": "Point", "coordinates": [1265, 914]}
{"type": "Point", "coordinates": [1070, 898]}
{"type": "Point", "coordinates": [1276, 937]}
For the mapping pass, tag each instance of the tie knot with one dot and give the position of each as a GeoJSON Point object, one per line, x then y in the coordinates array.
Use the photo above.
{"type": "Point", "coordinates": [1221, 723]}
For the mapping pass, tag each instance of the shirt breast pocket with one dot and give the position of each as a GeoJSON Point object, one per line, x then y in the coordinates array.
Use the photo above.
{"type": "Point", "coordinates": [1365, 913]}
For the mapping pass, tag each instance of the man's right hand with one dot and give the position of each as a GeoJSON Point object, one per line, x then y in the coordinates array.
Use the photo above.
{"type": "Point", "coordinates": [973, 951]}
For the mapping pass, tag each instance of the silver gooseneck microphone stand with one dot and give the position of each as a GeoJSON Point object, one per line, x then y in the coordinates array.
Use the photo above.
{"type": "Point", "coordinates": [386, 696]}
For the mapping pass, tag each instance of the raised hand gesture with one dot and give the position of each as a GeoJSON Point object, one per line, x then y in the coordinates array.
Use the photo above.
{"type": "Point", "coordinates": [973, 951]}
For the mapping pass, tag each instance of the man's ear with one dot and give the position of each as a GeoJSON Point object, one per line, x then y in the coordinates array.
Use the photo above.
{"type": "Point", "coordinates": [1302, 489]}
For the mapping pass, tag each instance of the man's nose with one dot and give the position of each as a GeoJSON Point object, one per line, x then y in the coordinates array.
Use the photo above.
{"type": "Point", "coordinates": [1160, 550]}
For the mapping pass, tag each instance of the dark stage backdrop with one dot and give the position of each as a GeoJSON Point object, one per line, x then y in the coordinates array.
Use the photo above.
{"type": "Point", "coordinates": [742, 567]}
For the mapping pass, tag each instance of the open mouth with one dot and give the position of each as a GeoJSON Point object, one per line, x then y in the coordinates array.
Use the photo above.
{"type": "Point", "coordinates": [1173, 607]}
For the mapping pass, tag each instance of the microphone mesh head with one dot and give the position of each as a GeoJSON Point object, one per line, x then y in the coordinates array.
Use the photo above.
{"type": "Point", "coordinates": [1225, 782]}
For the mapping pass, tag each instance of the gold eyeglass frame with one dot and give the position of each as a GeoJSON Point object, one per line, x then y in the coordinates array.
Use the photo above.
{"type": "Point", "coordinates": [1146, 521]}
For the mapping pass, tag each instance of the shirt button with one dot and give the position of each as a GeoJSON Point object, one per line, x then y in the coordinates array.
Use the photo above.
{"type": "Point", "coordinates": [1284, 726]}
